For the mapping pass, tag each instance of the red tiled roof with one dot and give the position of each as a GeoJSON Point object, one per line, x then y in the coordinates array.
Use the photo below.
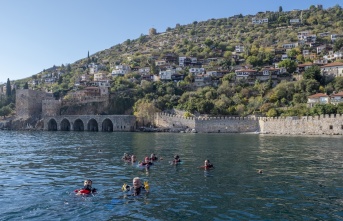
{"type": "Point", "coordinates": [339, 94]}
{"type": "Point", "coordinates": [246, 70]}
{"type": "Point", "coordinates": [318, 95]}
{"type": "Point", "coordinates": [305, 64]}
{"type": "Point", "coordinates": [333, 64]}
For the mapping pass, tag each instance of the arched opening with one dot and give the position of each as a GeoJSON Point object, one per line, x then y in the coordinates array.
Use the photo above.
{"type": "Point", "coordinates": [92, 125]}
{"type": "Point", "coordinates": [65, 125]}
{"type": "Point", "coordinates": [52, 125]}
{"type": "Point", "coordinates": [107, 125]}
{"type": "Point", "coordinates": [78, 125]}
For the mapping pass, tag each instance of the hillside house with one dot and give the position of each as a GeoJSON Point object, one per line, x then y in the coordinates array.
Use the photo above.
{"type": "Point", "coordinates": [306, 52]}
{"type": "Point", "coordinates": [167, 74]}
{"type": "Point", "coordinates": [294, 21]}
{"type": "Point", "coordinates": [100, 76]}
{"type": "Point", "coordinates": [321, 48]}
{"type": "Point", "coordinates": [197, 71]}
{"type": "Point", "coordinates": [93, 68]}
{"type": "Point", "coordinates": [318, 98]}
{"type": "Point", "coordinates": [334, 69]}
{"type": "Point", "coordinates": [184, 61]}
{"type": "Point", "coordinates": [244, 74]}
{"type": "Point", "coordinates": [177, 77]}
{"type": "Point", "coordinates": [290, 45]}
{"type": "Point", "coordinates": [336, 98]}
{"type": "Point", "coordinates": [160, 62]}
{"type": "Point", "coordinates": [120, 70]}
{"type": "Point", "coordinates": [303, 34]}
{"type": "Point", "coordinates": [257, 21]}
{"type": "Point", "coordinates": [334, 37]}
{"type": "Point", "coordinates": [202, 80]}
{"type": "Point", "coordinates": [303, 67]}
{"type": "Point", "coordinates": [333, 55]}
{"type": "Point", "coordinates": [310, 38]}
{"type": "Point", "coordinates": [144, 70]}
{"type": "Point", "coordinates": [239, 48]}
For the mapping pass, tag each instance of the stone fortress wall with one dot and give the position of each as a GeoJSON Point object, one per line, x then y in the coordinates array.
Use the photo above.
{"type": "Point", "coordinates": [51, 107]}
{"type": "Point", "coordinates": [29, 102]}
{"type": "Point", "coordinates": [319, 125]}
{"type": "Point", "coordinates": [308, 125]}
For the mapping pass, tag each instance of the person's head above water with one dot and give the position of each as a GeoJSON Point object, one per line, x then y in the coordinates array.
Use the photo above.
{"type": "Point", "coordinates": [87, 183]}
{"type": "Point", "coordinates": [176, 157]}
{"type": "Point", "coordinates": [136, 182]}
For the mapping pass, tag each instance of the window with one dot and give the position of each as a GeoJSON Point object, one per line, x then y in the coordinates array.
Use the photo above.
{"type": "Point", "coordinates": [331, 127]}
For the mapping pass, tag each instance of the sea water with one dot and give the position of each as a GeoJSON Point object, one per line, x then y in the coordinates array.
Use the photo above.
{"type": "Point", "coordinates": [301, 179]}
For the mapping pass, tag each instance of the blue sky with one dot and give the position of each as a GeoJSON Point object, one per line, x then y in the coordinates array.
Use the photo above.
{"type": "Point", "coordinates": [37, 34]}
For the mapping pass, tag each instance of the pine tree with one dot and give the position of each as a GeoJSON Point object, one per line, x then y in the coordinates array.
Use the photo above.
{"type": "Point", "coordinates": [8, 88]}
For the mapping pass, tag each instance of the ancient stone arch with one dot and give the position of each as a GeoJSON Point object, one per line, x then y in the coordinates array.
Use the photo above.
{"type": "Point", "coordinates": [65, 125]}
{"type": "Point", "coordinates": [78, 125]}
{"type": "Point", "coordinates": [107, 125]}
{"type": "Point", "coordinates": [52, 125]}
{"type": "Point", "coordinates": [92, 125]}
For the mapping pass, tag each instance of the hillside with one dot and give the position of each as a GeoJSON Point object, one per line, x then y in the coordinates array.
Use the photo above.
{"type": "Point", "coordinates": [222, 45]}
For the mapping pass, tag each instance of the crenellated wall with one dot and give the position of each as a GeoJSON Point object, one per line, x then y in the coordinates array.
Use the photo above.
{"type": "Point", "coordinates": [208, 124]}
{"type": "Point", "coordinates": [226, 125]}
{"type": "Point", "coordinates": [166, 120]}
{"type": "Point", "coordinates": [318, 125]}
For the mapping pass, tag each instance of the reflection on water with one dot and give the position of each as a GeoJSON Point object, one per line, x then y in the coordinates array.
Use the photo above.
{"type": "Point", "coordinates": [301, 176]}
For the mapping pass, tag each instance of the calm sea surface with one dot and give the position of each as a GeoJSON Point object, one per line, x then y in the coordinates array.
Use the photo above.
{"type": "Point", "coordinates": [301, 180]}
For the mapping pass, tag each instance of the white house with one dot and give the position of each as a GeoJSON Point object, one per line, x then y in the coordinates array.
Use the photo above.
{"type": "Point", "coordinates": [290, 45]}
{"type": "Point", "coordinates": [144, 71]}
{"type": "Point", "coordinates": [254, 20]}
{"type": "Point", "coordinates": [302, 34]}
{"type": "Point", "coordinates": [284, 57]}
{"type": "Point", "coordinates": [239, 48]}
{"type": "Point", "coordinates": [333, 55]}
{"type": "Point", "coordinates": [120, 70]}
{"type": "Point", "coordinates": [244, 73]}
{"type": "Point", "coordinates": [167, 74]}
{"type": "Point", "coordinates": [196, 71]}
{"type": "Point", "coordinates": [319, 98]}
{"type": "Point", "coordinates": [336, 98]}
{"type": "Point", "coordinates": [333, 69]}
{"type": "Point", "coordinates": [294, 21]}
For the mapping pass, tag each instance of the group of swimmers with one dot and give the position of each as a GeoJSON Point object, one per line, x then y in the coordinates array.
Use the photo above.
{"type": "Point", "coordinates": [137, 186]}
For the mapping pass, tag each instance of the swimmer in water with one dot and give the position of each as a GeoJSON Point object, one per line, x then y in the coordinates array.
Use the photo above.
{"type": "Point", "coordinates": [176, 159]}
{"type": "Point", "coordinates": [153, 157]}
{"type": "Point", "coordinates": [207, 165]}
{"type": "Point", "coordinates": [87, 188]}
{"type": "Point", "coordinates": [136, 187]}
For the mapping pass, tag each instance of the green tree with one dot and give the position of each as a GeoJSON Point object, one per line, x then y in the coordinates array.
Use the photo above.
{"type": "Point", "coordinates": [338, 44]}
{"type": "Point", "coordinates": [272, 113]}
{"type": "Point", "coordinates": [4, 111]}
{"type": "Point", "coordinates": [290, 65]}
{"type": "Point", "coordinates": [26, 86]}
{"type": "Point", "coordinates": [312, 72]}
{"type": "Point", "coordinates": [8, 88]}
{"type": "Point", "coordinates": [280, 8]}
